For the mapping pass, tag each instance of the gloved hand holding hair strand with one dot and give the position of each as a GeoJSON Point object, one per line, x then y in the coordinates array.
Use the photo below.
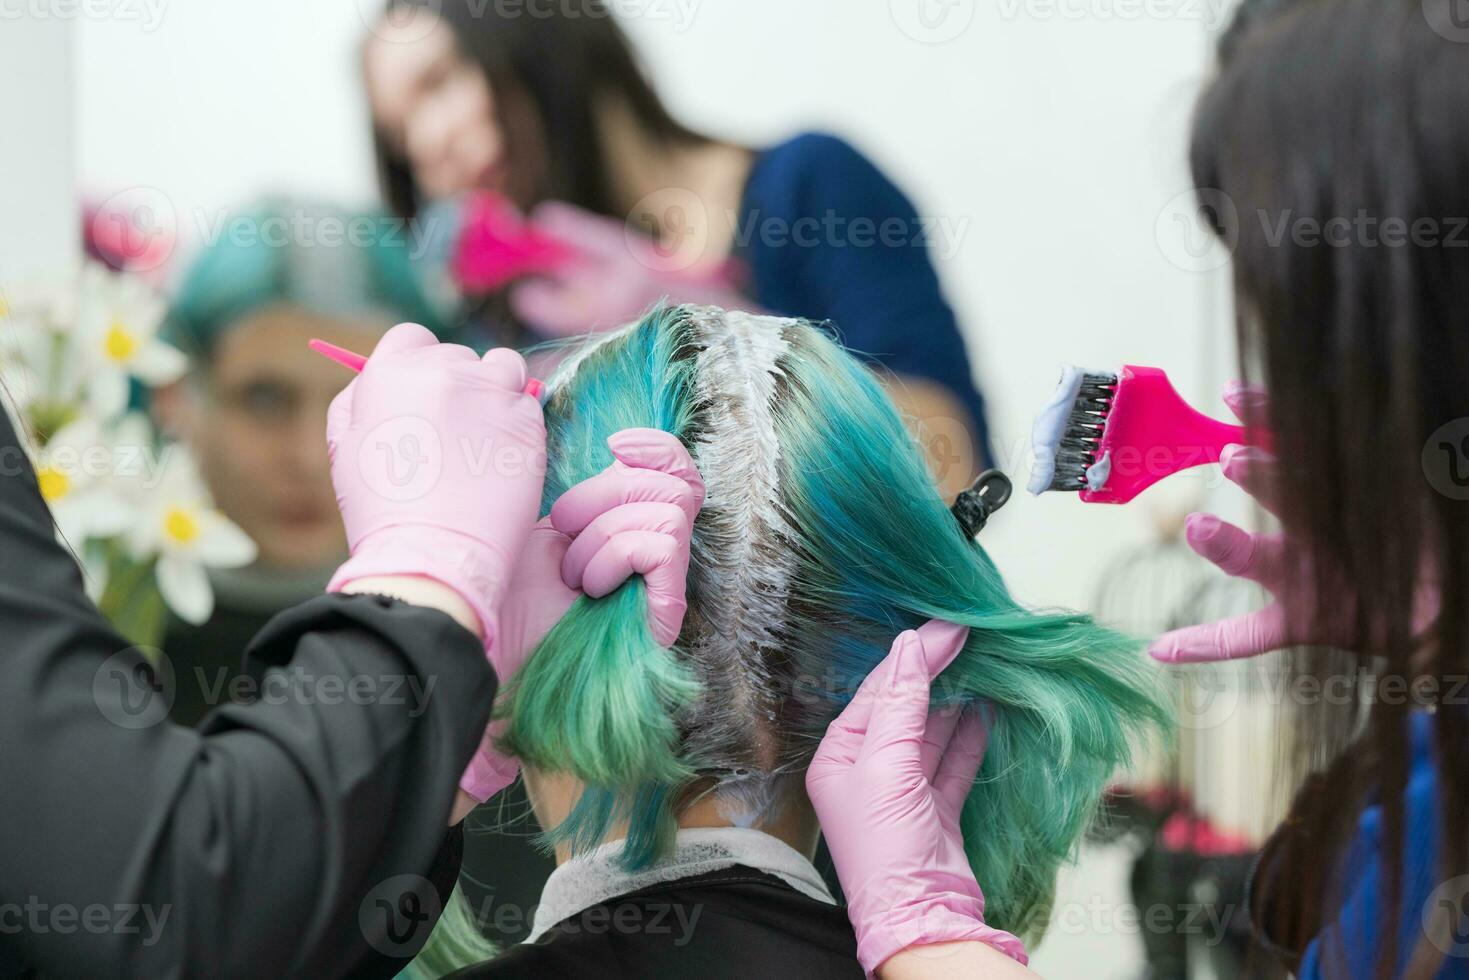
{"type": "Point", "coordinates": [636, 517]}
{"type": "Point", "coordinates": [888, 783]}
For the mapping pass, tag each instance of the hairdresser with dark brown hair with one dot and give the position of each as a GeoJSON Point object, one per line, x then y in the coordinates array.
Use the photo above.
{"type": "Point", "coordinates": [1334, 150]}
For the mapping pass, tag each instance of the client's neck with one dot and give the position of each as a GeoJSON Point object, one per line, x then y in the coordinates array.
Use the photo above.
{"type": "Point", "coordinates": [790, 819]}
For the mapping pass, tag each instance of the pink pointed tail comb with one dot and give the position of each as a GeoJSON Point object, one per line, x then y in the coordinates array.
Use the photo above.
{"type": "Point", "coordinates": [355, 362]}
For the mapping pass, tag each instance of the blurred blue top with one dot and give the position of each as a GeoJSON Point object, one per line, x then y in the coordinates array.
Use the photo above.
{"type": "Point", "coordinates": [826, 236]}
{"type": "Point", "coordinates": [1349, 946]}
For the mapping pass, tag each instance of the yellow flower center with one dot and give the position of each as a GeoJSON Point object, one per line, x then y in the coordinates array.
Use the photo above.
{"type": "Point", "coordinates": [180, 525]}
{"type": "Point", "coordinates": [120, 343]}
{"type": "Point", "coordinates": [4, 308]}
{"type": "Point", "coordinates": [54, 483]}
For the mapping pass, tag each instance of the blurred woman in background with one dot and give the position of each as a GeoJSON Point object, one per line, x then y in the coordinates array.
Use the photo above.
{"type": "Point", "coordinates": [553, 112]}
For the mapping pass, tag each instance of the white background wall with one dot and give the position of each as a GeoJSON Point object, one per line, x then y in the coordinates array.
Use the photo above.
{"type": "Point", "coordinates": [37, 152]}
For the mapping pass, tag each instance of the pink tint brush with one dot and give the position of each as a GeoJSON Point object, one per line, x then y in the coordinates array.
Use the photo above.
{"type": "Point", "coordinates": [497, 246]}
{"type": "Point", "coordinates": [1111, 436]}
{"type": "Point", "coordinates": [354, 361]}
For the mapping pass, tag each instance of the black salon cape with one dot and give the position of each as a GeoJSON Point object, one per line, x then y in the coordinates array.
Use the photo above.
{"type": "Point", "coordinates": [731, 924]}
{"type": "Point", "coordinates": [265, 832]}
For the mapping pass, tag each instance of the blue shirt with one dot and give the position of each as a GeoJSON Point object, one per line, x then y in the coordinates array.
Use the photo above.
{"type": "Point", "coordinates": [1357, 932]}
{"type": "Point", "coordinates": [826, 236]}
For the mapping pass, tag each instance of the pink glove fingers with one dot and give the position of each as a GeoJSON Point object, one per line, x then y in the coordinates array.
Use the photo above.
{"type": "Point", "coordinates": [617, 274]}
{"type": "Point", "coordinates": [505, 368]}
{"type": "Point", "coordinates": [937, 733]}
{"type": "Point", "coordinates": [589, 232]}
{"type": "Point", "coordinates": [1224, 544]}
{"type": "Point", "coordinates": [849, 729]}
{"type": "Point", "coordinates": [1253, 470]}
{"type": "Point", "coordinates": [959, 766]}
{"type": "Point", "coordinates": [1254, 557]}
{"type": "Point", "coordinates": [662, 562]}
{"type": "Point", "coordinates": [633, 518]}
{"type": "Point", "coordinates": [404, 337]}
{"type": "Point", "coordinates": [647, 553]}
{"type": "Point", "coordinates": [1249, 403]}
{"type": "Point", "coordinates": [535, 600]}
{"type": "Point", "coordinates": [489, 771]}
{"type": "Point", "coordinates": [654, 449]}
{"type": "Point", "coordinates": [650, 516]}
{"type": "Point", "coordinates": [1229, 639]}
{"type": "Point", "coordinates": [552, 306]}
{"type": "Point", "coordinates": [614, 486]}
{"type": "Point", "coordinates": [941, 643]}
{"type": "Point", "coordinates": [900, 709]}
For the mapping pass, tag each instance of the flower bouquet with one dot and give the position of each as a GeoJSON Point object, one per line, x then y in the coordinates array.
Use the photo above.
{"type": "Point", "coordinates": [131, 506]}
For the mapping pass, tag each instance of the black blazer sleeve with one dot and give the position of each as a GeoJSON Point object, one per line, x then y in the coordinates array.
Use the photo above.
{"type": "Point", "coordinates": [130, 846]}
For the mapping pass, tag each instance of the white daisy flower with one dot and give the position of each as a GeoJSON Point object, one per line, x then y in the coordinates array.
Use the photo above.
{"type": "Point", "coordinates": [75, 473]}
{"type": "Point", "coordinates": [117, 325]}
{"type": "Point", "coordinates": [47, 301]}
{"type": "Point", "coordinates": [180, 525]}
{"type": "Point", "coordinates": [34, 361]}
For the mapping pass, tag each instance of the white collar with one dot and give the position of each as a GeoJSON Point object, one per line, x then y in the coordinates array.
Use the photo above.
{"type": "Point", "coordinates": [596, 876]}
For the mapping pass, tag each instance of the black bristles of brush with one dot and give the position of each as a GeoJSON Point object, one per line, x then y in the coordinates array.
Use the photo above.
{"type": "Point", "coordinates": [1085, 424]}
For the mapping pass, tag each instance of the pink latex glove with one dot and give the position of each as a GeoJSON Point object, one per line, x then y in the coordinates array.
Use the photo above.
{"type": "Point", "coordinates": [616, 276]}
{"type": "Point", "coordinates": [438, 461]}
{"type": "Point", "coordinates": [636, 517]}
{"type": "Point", "coordinates": [888, 782]}
{"type": "Point", "coordinates": [1259, 558]}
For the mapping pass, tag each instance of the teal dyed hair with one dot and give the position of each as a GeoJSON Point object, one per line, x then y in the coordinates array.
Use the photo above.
{"type": "Point", "coordinates": [822, 538]}
{"type": "Point", "coordinates": [345, 265]}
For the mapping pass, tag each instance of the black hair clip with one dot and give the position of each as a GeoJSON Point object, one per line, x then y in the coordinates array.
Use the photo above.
{"type": "Point", "coordinates": [974, 507]}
